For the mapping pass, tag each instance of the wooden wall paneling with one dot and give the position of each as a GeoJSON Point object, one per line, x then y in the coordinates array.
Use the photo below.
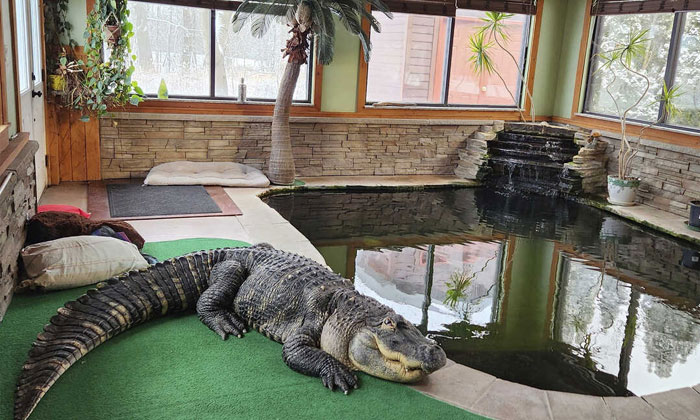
{"type": "Point", "coordinates": [77, 146]}
{"type": "Point", "coordinates": [92, 148]}
{"type": "Point", "coordinates": [52, 145]}
{"type": "Point", "coordinates": [583, 49]}
{"type": "Point", "coordinates": [62, 116]}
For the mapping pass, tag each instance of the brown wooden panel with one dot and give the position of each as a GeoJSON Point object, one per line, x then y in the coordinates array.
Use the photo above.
{"type": "Point", "coordinates": [92, 148]}
{"type": "Point", "coordinates": [77, 145]}
{"type": "Point", "coordinates": [64, 145]}
{"type": "Point", "coordinates": [52, 145]}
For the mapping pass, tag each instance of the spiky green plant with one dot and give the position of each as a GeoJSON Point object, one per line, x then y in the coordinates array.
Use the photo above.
{"type": "Point", "coordinates": [482, 62]}
{"type": "Point", "coordinates": [496, 29]}
{"type": "Point", "coordinates": [310, 21]}
{"type": "Point", "coordinates": [623, 54]}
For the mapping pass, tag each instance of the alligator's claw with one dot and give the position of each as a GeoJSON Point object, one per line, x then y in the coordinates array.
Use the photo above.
{"type": "Point", "coordinates": [225, 323]}
{"type": "Point", "coordinates": [339, 377]}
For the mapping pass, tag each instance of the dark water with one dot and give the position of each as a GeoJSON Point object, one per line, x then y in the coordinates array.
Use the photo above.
{"type": "Point", "coordinates": [541, 291]}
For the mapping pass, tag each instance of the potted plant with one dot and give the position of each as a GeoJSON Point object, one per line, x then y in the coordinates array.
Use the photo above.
{"type": "Point", "coordinates": [622, 189]}
{"type": "Point", "coordinates": [59, 45]}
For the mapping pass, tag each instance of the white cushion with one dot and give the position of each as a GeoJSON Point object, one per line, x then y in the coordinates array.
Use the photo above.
{"type": "Point", "coordinates": [78, 261]}
{"type": "Point", "coordinates": [226, 174]}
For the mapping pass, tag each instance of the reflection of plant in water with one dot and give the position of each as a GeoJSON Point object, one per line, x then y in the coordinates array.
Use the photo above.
{"type": "Point", "coordinates": [458, 284]}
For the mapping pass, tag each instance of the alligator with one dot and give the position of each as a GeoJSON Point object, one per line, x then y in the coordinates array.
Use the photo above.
{"type": "Point", "coordinates": [327, 329]}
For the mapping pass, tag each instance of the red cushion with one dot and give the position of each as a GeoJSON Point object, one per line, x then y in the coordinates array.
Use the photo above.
{"type": "Point", "coordinates": [63, 208]}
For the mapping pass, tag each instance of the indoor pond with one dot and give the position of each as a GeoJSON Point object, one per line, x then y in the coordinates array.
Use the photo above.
{"type": "Point", "coordinates": [541, 291]}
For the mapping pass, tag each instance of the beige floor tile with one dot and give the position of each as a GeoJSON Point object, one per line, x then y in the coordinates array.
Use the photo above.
{"type": "Point", "coordinates": [679, 404]}
{"type": "Point", "coordinates": [68, 193]}
{"type": "Point", "coordinates": [568, 406]}
{"type": "Point", "coordinates": [631, 408]}
{"type": "Point", "coordinates": [510, 401]}
{"type": "Point", "coordinates": [456, 384]}
{"type": "Point", "coordinates": [202, 227]}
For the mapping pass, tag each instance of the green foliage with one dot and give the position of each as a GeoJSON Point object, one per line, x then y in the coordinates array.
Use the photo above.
{"type": "Point", "coordinates": [107, 83]}
{"type": "Point", "coordinates": [457, 287]}
{"type": "Point", "coordinates": [57, 33]}
{"type": "Point", "coordinates": [316, 15]}
{"type": "Point", "coordinates": [494, 25]}
{"type": "Point", "coordinates": [480, 58]}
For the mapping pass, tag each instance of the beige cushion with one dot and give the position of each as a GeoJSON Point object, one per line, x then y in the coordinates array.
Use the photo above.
{"type": "Point", "coordinates": [78, 261]}
{"type": "Point", "coordinates": [226, 174]}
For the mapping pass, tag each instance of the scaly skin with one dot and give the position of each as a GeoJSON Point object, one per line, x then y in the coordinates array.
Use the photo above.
{"type": "Point", "coordinates": [327, 329]}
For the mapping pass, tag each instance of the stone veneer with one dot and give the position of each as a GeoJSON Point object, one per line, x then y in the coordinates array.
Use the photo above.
{"type": "Point", "coordinates": [17, 203]}
{"type": "Point", "coordinates": [131, 144]}
{"type": "Point", "coordinates": [670, 174]}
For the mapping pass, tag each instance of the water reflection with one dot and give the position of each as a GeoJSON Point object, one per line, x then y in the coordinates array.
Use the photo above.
{"type": "Point", "coordinates": [534, 290]}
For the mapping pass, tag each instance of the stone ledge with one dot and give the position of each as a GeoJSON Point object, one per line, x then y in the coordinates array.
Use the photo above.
{"type": "Point", "coordinates": [267, 119]}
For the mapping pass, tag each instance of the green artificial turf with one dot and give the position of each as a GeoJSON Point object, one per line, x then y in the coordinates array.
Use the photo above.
{"type": "Point", "coordinates": [175, 368]}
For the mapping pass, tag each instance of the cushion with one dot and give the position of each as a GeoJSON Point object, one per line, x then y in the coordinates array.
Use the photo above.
{"type": "Point", "coordinates": [52, 225]}
{"type": "Point", "coordinates": [225, 174]}
{"type": "Point", "coordinates": [62, 208]}
{"type": "Point", "coordinates": [78, 261]}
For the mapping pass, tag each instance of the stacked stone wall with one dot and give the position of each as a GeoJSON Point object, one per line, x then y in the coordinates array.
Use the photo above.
{"type": "Point", "coordinates": [670, 174]}
{"type": "Point", "coordinates": [17, 203]}
{"type": "Point", "coordinates": [132, 144]}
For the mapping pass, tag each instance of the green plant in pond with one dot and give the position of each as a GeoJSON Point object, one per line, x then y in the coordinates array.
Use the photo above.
{"type": "Point", "coordinates": [310, 21]}
{"type": "Point", "coordinates": [482, 61]}
{"type": "Point", "coordinates": [496, 29]}
{"type": "Point", "coordinates": [622, 59]}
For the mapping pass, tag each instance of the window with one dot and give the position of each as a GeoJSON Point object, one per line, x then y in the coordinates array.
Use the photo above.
{"type": "Point", "coordinates": [175, 44]}
{"type": "Point", "coordinates": [424, 60]}
{"type": "Point", "coordinates": [673, 56]}
{"type": "Point", "coordinates": [21, 22]}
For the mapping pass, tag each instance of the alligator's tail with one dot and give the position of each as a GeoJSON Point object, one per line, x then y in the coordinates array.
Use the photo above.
{"type": "Point", "coordinates": [100, 314]}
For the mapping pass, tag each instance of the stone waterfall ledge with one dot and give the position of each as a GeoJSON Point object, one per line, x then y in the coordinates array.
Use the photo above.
{"type": "Point", "coordinates": [131, 144]}
{"type": "Point", "coordinates": [17, 203]}
{"type": "Point", "coordinates": [590, 163]}
{"type": "Point", "coordinates": [474, 158]}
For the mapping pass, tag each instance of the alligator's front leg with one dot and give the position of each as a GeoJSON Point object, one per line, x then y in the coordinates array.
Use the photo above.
{"type": "Point", "coordinates": [215, 306]}
{"type": "Point", "coordinates": [302, 353]}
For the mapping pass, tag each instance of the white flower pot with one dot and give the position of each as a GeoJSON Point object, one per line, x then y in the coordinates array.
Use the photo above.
{"type": "Point", "coordinates": [622, 192]}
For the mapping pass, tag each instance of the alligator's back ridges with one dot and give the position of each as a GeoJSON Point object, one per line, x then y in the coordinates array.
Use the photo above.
{"type": "Point", "coordinates": [117, 305]}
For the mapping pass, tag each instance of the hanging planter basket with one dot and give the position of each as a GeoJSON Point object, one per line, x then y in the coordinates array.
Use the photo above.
{"type": "Point", "coordinates": [112, 34]}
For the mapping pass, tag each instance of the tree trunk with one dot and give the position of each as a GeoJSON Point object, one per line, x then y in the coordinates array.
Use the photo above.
{"type": "Point", "coordinates": [281, 168]}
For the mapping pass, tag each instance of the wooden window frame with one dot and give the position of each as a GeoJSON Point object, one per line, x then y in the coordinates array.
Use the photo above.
{"type": "Point", "coordinates": [456, 112]}
{"type": "Point", "coordinates": [670, 135]}
{"type": "Point", "coordinates": [223, 106]}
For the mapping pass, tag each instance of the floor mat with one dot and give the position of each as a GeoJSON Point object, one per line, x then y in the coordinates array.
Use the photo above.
{"type": "Point", "coordinates": [175, 368]}
{"type": "Point", "coordinates": [130, 199]}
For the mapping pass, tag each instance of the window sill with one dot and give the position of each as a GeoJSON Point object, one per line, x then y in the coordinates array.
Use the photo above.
{"type": "Point", "coordinates": [442, 108]}
{"type": "Point", "coordinates": [212, 106]}
{"type": "Point", "coordinates": [669, 135]}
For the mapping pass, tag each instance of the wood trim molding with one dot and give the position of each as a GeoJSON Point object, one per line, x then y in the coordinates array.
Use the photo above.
{"type": "Point", "coordinates": [3, 81]}
{"type": "Point", "coordinates": [583, 50]}
{"type": "Point", "coordinates": [533, 56]}
{"type": "Point", "coordinates": [662, 135]}
{"type": "Point", "coordinates": [370, 112]}
{"type": "Point", "coordinates": [13, 31]}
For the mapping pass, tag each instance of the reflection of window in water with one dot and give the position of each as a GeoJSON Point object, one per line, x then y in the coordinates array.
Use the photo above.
{"type": "Point", "coordinates": [397, 277]}
{"type": "Point", "coordinates": [648, 344]}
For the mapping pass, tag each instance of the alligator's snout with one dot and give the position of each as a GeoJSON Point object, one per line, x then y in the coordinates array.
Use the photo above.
{"type": "Point", "coordinates": [433, 358]}
{"type": "Point", "coordinates": [395, 350]}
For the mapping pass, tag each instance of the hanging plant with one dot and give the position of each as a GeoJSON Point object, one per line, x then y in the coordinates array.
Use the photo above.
{"type": "Point", "coordinates": [107, 68]}
{"type": "Point", "coordinates": [59, 46]}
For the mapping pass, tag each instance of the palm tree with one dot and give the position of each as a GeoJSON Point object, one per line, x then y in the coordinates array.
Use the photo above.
{"type": "Point", "coordinates": [309, 20]}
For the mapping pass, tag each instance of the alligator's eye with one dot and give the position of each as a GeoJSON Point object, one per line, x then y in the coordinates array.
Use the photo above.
{"type": "Point", "coordinates": [388, 323]}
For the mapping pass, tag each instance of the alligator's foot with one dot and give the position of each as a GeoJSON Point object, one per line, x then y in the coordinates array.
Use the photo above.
{"type": "Point", "coordinates": [336, 375]}
{"type": "Point", "coordinates": [224, 323]}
